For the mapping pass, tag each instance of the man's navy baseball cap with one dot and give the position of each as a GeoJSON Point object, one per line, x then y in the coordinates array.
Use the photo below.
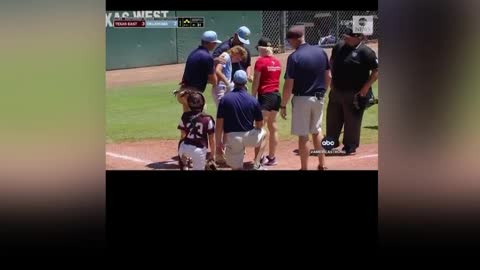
{"type": "Point", "coordinates": [243, 33]}
{"type": "Point", "coordinates": [210, 36]}
{"type": "Point", "coordinates": [240, 77]}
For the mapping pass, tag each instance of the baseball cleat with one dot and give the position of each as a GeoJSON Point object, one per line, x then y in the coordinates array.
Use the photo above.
{"type": "Point", "coordinates": [268, 161]}
{"type": "Point", "coordinates": [259, 167]}
{"type": "Point", "coordinates": [185, 163]}
{"type": "Point", "coordinates": [190, 163]}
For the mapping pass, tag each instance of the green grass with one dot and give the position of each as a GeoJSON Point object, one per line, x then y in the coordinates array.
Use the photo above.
{"type": "Point", "coordinates": [152, 112]}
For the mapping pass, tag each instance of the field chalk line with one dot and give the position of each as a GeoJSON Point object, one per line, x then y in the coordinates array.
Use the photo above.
{"type": "Point", "coordinates": [368, 156]}
{"type": "Point", "coordinates": [143, 161]}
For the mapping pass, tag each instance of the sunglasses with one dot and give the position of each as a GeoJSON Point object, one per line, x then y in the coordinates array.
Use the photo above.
{"type": "Point", "coordinates": [268, 45]}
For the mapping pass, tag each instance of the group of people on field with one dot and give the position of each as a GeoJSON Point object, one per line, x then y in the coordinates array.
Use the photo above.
{"type": "Point", "coordinates": [249, 118]}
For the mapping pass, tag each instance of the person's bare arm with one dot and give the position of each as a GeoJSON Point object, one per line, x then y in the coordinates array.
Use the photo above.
{"type": "Point", "coordinates": [287, 93]}
{"type": "Point", "coordinates": [212, 79]}
{"type": "Point", "coordinates": [373, 77]}
{"type": "Point", "coordinates": [182, 134]}
{"type": "Point", "coordinates": [220, 75]}
{"type": "Point", "coordinates": [249, 74]}
{"type": "Point", "coordinates": [211, 141]}
{"type": "Point", "coordinates": [256, 83]}
{"type": "Point", "coordinates": [219, 132]}
{"type": "Point", "coordinates": [328, 79]}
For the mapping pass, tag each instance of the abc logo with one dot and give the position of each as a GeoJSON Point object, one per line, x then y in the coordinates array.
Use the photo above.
{"type": "Point", "coordinates": [327, 143]}
{"type": "Point", "coordinates": [362, 21]}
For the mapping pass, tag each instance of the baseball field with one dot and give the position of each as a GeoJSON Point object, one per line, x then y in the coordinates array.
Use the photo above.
{"type": "Point", "coordinates": [142, 116]}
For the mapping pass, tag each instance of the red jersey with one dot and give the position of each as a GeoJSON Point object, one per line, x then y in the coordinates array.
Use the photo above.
{"type": "Point", "coordinates": [270, 70]}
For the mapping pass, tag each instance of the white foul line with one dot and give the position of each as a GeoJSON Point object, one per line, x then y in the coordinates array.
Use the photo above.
{"type": "Point", "coordinates": [143, 161]}
{"type": "Point", "coordinates": [129, 158]}
{"type": "Point", "coordinates": [367, 156]}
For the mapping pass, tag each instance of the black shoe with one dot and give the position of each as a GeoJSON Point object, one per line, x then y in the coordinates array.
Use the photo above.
{"type": "Point", "coordinates": [349, 150]}
{"type": "Point", "coordinates": [322, 168]}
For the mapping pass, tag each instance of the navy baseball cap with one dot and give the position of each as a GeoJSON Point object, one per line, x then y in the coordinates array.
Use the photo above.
{"type": "Point", "coordinates": [240, 77]}
{"type": "Point", "coordinates": [243, 33]}
{"type": "Point", "coordinates": [210, 36]}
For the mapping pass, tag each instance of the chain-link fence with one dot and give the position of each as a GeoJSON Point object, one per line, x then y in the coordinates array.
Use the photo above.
{"type": "Point", "coordinates": [323, 28]}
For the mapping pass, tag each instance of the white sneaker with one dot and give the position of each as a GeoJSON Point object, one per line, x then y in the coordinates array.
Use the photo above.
{"type": "Point", "coordinates": [259, 167]}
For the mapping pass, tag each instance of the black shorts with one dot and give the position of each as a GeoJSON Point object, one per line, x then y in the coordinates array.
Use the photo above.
{"type": "Point", "coordinates": [270, 101]}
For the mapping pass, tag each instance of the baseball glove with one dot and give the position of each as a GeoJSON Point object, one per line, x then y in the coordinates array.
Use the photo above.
{"type": "Point", "coordinates": [363, 103]}
{"type": "Point", "coordinates": [211, 165]}
{"type": "Point", "coordinates": [185, 163]}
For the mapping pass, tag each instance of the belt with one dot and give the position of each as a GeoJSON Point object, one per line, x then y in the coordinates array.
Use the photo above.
{"type": "Point", "coordinates": [275, 92]}
{"type": "Point", "coordinates": [308, 94]}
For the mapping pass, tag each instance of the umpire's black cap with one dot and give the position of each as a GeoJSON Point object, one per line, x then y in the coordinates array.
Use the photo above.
{"type": "Point", "coordinates": [349, 32]}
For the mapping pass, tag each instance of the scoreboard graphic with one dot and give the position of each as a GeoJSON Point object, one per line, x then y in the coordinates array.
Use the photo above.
{"type": "Point", "coordinates": [190, 22]}
{"type": "Point", "coordinates": [180, 22]}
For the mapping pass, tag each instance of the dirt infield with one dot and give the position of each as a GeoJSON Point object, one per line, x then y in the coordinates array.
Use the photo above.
{"type": "Point", "coordinates": [169, 73]}
{"type": "Point", "coordinates": [161, 155]}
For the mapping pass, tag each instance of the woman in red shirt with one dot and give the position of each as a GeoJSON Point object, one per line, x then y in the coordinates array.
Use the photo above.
{"type": "Point", "coordinates": [266, 83]}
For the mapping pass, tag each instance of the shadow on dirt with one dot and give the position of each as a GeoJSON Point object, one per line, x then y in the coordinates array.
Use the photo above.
{"type": "Point", "coordinates": [163, 165]}
{"type": "Point", "coordinates": [335, 154]}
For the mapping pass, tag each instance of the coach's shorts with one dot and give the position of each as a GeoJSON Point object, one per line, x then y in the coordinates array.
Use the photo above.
{"type": "Point", "coordinates": [237, 141]}
{"type": "Point", "coordinates": [198, 155]}
{"type": "Point", "coordinates": [270, 102]}
{"type": "Point", "coordinates": [307, 113]}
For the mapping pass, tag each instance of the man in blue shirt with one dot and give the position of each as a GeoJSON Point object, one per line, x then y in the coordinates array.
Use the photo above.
{"type": "Point", "coordinates": [199, 69]}
{"type": "Point", "coordinates": [240, 37]}
{"type": "Point", "coordinates": [307, 77]}
{"type": "Point", "coordinates": [236, 113]}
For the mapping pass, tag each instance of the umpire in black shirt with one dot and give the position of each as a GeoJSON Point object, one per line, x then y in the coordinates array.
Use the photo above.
{"type": "Point", "coordinates": [354, 68]}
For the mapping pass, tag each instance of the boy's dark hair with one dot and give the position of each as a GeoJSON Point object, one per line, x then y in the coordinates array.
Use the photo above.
{"type": "Point", "coordinates": [196, 101]}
